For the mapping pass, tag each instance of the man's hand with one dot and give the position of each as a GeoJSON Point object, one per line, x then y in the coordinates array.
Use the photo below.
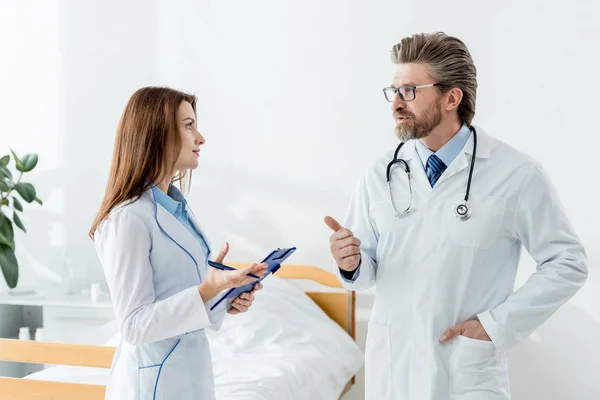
{"type": "Point", "coordinates": [471, 329]}
{"type": "Point", "coordinates": [243, 302]}
{"type": "Point", "coordinates": [344, 247]}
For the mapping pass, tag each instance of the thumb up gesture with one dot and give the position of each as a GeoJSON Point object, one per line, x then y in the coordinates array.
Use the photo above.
{"type": "Point", "coordinates": [344, 247]}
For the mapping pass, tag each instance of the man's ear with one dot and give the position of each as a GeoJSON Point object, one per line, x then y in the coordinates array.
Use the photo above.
{"type": "Point", "coordinates": [453, 98]}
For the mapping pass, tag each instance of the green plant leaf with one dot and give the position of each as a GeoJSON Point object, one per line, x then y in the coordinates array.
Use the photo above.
{"type": "Point", "coordinates": [29, 162]}
{"type": "Point", "coordinates": [38, 201]}
{"type": "Point", "coordinates": [9, 265]}
{"type": "Point", "coordinates": [26, 190]}
{"type": "Point", "coordinates": [4, 160]}
{"type": "Point", "coordinates": [6, 229]}
{"type": "Point", "coordinates": [19, 163]}
{"type": "Point", "coordinates": [4, 241]}
{"type": "Point", "coordinates": [5, 172]}
{"type": "Point", "coordinates": [17, 204]}
{"type": "Point", "coordinates": [18, 222]}
{"type": "Point", "coordinates": [4, 186]}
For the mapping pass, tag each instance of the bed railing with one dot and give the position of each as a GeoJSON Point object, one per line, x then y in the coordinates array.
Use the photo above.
{"type": "Point", "coordinates": [340, 306]}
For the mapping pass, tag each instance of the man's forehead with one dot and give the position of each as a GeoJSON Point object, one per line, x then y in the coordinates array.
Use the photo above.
{"type": "Point", "coordinates": [410, 74]}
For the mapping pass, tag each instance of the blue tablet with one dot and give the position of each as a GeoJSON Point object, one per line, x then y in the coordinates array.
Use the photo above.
{"type": "Point", "coordinates": [273, 262]}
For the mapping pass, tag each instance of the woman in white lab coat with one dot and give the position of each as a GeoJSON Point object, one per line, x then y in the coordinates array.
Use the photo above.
{"type": "Point", "coordinates": [154, 255]}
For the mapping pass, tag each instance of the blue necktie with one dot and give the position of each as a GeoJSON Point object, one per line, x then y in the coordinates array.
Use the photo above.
{"type": "Point", "coordinates": [435, 168]}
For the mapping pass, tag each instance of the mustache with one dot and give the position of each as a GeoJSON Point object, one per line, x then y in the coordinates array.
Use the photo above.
{"type": "Point", "coordinates": [398, 114]}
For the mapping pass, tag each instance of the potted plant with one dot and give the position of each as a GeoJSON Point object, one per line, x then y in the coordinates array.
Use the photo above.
{"type": "Point", "coordinates": [10, 207]}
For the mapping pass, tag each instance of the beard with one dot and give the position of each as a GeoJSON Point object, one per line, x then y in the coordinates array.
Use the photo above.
{"type": "Point", "coordinates": [418, 128]}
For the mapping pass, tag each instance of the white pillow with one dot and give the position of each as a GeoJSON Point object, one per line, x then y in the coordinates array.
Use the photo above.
{"type": "Point", "coordinates": [286, 340]}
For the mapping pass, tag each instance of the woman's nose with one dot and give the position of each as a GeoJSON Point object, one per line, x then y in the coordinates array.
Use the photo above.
{"type": "Point", "coordinates": [200, 139]}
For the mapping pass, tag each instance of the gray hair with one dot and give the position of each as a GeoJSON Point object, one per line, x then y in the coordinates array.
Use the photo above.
{"type": "Point", "coordinates": [449, 63]}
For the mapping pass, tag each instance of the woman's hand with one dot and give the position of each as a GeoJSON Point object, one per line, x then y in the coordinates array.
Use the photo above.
{"type": "Point", "coordinates": [217, 280]}
{"type": "Point", "coordinates": [243, 302]}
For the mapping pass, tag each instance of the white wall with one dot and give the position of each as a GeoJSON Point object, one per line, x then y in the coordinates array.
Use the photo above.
{"type": "Point", "coordinates": [291, 105]}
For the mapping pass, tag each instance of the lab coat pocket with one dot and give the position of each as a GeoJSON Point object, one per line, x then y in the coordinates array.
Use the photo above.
{"type": "Point", "coordinates": [378, 368]}
{"type": "Point", "coordinates": [147, 380]}
{"type": "Point", "coordinates": [481, 229]}
{"type": "Point", "coordinates": [160, 374]}
{"type": "Point", "coordinates": [476, 366]}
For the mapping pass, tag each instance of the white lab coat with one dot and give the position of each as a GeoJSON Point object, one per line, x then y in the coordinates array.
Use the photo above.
{"type": "Point", "coordinates": [432, 271]}
{"type": "Point", "coordinates": [153, 265]}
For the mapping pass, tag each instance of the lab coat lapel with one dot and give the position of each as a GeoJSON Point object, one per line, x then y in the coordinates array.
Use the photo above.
{"type": "Point", "coordinates": [177, 232]}
{"type": "Point", "coordinates": [192, 218]}
{"type": "Point", "coordinates": [417, 171]}
{"type": "Point", "coordinates": [463, 159]}
{"type": "Point", "coordinates": [460, 162]}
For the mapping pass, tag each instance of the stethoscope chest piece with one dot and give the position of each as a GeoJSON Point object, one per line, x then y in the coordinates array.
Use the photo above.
{"type": "Point", "coordinates": [462, 212]}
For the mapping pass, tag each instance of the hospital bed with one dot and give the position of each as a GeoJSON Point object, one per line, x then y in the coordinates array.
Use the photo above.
{"type": "Point", "coordinates": [292, 344]}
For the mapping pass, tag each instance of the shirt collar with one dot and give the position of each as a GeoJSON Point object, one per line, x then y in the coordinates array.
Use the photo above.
{"type": "Point", "coordinates": [448, 152]}
{"type": "Point", "coordinates": [173, 201]}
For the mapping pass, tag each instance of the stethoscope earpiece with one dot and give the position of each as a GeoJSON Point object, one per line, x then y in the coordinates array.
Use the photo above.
{"type": "Point", "coordinates": [462, 212]}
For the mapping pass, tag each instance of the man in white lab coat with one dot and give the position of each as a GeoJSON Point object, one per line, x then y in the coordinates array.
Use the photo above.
{"type": "Point", "coordinates": [445, 312]}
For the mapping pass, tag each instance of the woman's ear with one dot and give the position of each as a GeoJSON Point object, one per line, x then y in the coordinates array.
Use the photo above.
{"type": "Point", "coordinates": [453, 98]}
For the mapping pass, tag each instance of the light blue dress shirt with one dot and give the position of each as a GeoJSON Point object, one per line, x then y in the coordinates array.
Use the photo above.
{"type": "Point", "coordinates": [175, 203]}
{"type": "Point", "coordinates": [449, 151]}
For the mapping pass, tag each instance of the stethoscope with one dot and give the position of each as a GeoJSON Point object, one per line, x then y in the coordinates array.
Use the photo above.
{"type": "Point", "coordinates": [462, 211]}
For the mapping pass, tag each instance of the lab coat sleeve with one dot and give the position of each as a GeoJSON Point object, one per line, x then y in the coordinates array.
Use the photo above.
{"type": "Point", "coordinates": [123, 245]}
{"type": "Point", "coordinates": [217, 315]}
{"type": "Point", "coordinates": [543, 228]}
{"type": "Point", "coordinates": [358, 220]}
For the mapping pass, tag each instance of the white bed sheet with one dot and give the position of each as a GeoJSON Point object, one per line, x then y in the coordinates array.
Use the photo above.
{"type": "Point", "coordinates": [285, 347]}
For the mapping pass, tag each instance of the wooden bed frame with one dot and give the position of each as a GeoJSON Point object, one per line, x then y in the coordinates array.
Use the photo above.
{"type": "Point", "coordinates": [340, 306]}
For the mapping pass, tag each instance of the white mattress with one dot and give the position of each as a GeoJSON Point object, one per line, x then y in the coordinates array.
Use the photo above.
{"type": "Point", "coordinates": [285, 347]}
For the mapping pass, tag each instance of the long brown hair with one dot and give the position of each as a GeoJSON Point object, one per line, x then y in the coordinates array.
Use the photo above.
{"type": "Point", "coordinates": [146, 148]}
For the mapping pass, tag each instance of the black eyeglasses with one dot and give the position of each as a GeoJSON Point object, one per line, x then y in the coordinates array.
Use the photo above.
{"type": "Point", "coordinates": [406, 93]}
